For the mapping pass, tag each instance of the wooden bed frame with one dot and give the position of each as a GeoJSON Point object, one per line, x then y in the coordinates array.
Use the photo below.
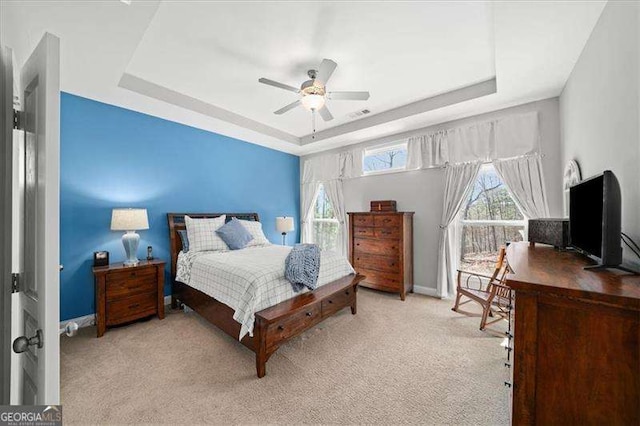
{"type": "Point", "coordinates": [273, 326]}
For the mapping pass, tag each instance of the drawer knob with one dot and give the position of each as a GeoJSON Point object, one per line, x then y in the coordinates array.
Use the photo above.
{"type": "Point", "coordinates": [280, 327]}
{"type": "Point", "coordinates": [310, 313]}
{"type": "Point", "coordinates": [357, 244]}
{"type": "Point", "coordinates": [346, 292]}
{"type": "Point", "coordinates": [132, 274]}
{"type": "Point", "coordinates": [135, 305]}
{"type": "Point", "coordinates": [330, 302]}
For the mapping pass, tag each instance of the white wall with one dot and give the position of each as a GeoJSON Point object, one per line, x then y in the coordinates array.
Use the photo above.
{"type": "Point", "coordinates": [422, 191]}
{"type": "Point", "coordinates": [599, 108]}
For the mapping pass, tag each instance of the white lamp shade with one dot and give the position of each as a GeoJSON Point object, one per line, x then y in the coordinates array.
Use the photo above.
{"type": "Point", "coordinates": [312, 102]}
{"type": "Point", "coordinates": [129, 219]}
{"type": "Point", "coordinates": [284, 224]}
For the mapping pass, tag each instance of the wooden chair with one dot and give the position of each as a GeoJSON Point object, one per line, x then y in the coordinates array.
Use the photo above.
{"type": "Point", "coordinates": [490, 292]}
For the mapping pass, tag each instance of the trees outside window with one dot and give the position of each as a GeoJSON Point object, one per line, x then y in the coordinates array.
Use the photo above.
{"type": "Point", "coordinates": [386, 158]}
{"type": "Point", "coordinates": [325, 226]}
{"type": "Point", "coordinates": [488, 220]}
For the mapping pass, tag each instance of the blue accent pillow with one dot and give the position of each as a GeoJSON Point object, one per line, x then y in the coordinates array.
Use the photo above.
{"type": "Point", "coordinates": [234, 234]}
{"type": "Point", "coordinates": [185, 241]}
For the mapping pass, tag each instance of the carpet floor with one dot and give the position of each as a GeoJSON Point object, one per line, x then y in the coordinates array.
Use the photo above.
{"type": "Point", "coordinates": [394, 362]}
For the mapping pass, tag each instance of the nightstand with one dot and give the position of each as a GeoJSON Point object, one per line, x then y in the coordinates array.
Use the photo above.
{"type": "Point", "coordinates": [128, 293]}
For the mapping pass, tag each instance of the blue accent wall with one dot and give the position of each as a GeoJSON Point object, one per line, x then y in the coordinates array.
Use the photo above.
{"type": "Point", "coordinates": [113, 157]}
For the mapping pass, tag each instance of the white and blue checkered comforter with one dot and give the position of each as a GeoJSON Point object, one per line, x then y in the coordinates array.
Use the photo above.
{"type": "Point", "coordinates": [251, 279]}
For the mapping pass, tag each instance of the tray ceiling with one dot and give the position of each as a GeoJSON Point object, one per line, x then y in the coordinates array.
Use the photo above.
{"type": "Point", "coordinates": [198, 62]}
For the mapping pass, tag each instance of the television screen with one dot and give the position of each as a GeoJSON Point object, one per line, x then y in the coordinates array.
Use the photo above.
{"type": "Point", "coordinates": [585, 215]}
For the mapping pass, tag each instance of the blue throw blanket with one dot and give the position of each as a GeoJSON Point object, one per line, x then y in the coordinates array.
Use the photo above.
{"type": "Point", "coordinates": [303, 266]}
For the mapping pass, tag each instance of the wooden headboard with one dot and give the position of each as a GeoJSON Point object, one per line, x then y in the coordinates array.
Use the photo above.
{"type": "Point", "coordinates": [176, 223]}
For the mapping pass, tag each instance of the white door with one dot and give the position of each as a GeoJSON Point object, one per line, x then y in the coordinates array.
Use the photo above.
{"type": "Point", "coordinates": [38, 363]}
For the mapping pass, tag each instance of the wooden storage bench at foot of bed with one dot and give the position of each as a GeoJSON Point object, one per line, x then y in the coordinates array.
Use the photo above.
{"type": "Point", "coordinates": [278, 324]}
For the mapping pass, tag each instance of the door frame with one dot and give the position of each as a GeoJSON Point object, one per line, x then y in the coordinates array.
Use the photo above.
{"type": "Point", "coordinates": [6, 186]}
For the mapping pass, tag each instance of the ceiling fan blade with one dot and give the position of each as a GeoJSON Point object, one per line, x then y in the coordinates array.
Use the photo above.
{"type": "Point", "coordinates": [327, 67]}
{"type": "Point", "coordinates": [280, 85]}
{"type": "Point", "coordinates": [325, 114]}
{"type": "Point", "coordinates": [288, 107]}
{"type": "Point", "coordinates": [348, 96]}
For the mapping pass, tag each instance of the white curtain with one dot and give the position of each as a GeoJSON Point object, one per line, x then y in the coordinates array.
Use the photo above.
{"type": "Point", "coordinates": [333, 189]}
{"type": "Point", "coordinates": [328, 170]}
{"type": "Point", "coordinates": [427, 151]}
{"type": "Point", "coordinates": [351, 163]}
{"type": "Point", "coordinates": [507, 137]}
{"type": "Point", "coordinates": [308, 193]}
{"type": "Point", "coordinates": [459, 180]}
{"type": "Point", "coordinates": [517, 135]}
{"type": "Point", "coordinates": [523, 176]}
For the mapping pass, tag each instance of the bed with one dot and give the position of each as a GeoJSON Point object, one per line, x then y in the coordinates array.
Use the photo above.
{"type": "Point", "coordinates": [265, 330]}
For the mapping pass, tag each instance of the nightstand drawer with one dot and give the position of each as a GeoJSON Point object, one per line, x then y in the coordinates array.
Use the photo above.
{"type": "Point", "coordinates": [130, 287]}
{"type": "Point", "coordinates": [125, 310]}
{"type": "Point", "coordinates": [132, 274]}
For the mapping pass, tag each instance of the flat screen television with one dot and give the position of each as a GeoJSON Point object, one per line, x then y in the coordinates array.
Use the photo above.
{"type": "Point", "coordinates": [595, 216]}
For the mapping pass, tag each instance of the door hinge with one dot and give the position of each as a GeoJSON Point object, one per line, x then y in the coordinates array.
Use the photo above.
{"type": "Point", "coordinates": [18, 119]}
{"type": "Point", "coordinates": [15, 283]}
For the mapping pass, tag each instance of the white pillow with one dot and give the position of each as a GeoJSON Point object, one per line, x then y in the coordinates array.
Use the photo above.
{"type": "Point", "coordinates": [202, 234]}
{"type": "Point", "coordinates": [255, 229]}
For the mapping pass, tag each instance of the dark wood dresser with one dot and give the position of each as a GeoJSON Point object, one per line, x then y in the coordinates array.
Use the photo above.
{"type": "Point", "coordinates": [128, 293]}
{"type": "Point", "coordinates": [576, 340]}
{"type": "Point", "coordinates": [381, 248]}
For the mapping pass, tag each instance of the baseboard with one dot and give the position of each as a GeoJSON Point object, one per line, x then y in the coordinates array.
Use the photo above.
{"type": "Point", "coordinates": [427, 291]}
{"type": "Point", "coordinates": [85, 321]}
{"type": "Point", "coordinates": [89, 320]}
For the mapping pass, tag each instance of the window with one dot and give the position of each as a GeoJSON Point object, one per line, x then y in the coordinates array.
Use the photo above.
{"type": "Point", "coordinates": [325, 226]}
{"type": "Point", "coordinates": [385, 158]}
{"type": "Point", "coordinates": [488, 220]}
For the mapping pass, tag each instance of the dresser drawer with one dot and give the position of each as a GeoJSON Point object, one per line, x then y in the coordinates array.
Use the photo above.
{"type": "Point", "coordinates": [381, 280]}
{"type": "Point", "coordinates": [362, 220]}
{"type": "Point", "coordinates": [388, 233]}
{"type": "Point", "coordinates": [293, 325]}
{"type": "Point", "coordinates": [134, 307]}
{"type": "Point", "coordinates": [131, 274]}
{"type": "Point", "coordinates": [337, 301]}
{"type": "Point", "coordinates": [130, 287]}
{"type": "Point", "coordinates": [376, 263]}
{"type": "Point", "coordinates": [387, 220]}
{"type": "Point", "coordinates": [360, 231]}
{"type": "Point", "coordinates": [384, 247]}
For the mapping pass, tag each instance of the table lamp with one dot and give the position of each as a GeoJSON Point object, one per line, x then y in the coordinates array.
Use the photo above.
{"type": "Point", "coordinates": [130, 220]}
{"type": "Point", "coordinates": [284, 224]}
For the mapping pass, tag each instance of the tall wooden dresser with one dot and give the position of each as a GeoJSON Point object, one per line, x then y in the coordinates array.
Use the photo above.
{"type": "Point", "coordinates": [576, 342]}
{"type": "Point", "coordinates": [381, 248]}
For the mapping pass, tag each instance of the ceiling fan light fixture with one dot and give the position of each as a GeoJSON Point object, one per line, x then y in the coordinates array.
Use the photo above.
{"type": "Point", "coordinates": [312, 102]}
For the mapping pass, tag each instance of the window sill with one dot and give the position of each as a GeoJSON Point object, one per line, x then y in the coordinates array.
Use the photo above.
{"type": "Point", "coordinates": [383, 172]}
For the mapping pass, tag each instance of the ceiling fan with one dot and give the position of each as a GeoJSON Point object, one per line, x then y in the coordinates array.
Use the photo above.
{"type": "Point", "coordinates": [313, 93]}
